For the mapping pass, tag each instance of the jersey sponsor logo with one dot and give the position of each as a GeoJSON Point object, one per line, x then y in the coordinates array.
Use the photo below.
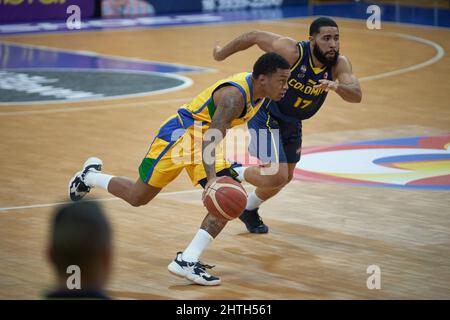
{"type": "Point", "coordinates": [209, 5]}
{"type": "Point", "coordinates": [303, 69]}
{"type": "Point", "coordinates": [417, 162]}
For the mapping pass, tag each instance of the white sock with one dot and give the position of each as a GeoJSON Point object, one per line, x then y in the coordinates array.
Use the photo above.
{"type": "Point", "coordinates": [253, 201]}
{"type": "Point", "coordinates": [240, 171]}
{"type": "Point", "coordinates": [97, 179]}
{"type": "Point", "coordinates": [197, 245]}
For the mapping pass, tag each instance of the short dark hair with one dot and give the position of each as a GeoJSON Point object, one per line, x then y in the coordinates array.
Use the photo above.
{"type": "Point", "coordinates": [269, 63]}
{"type": "Point", "coordinates": [80, 234]}
{"type": "Point", "coordinates": [321, 22]}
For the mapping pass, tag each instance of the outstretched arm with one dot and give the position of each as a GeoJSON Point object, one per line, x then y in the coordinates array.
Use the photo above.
{"type": "Point", "coordinates": [347, 85]}
{"type": "Point", "coordinates": [230, 104]}
{"type": "Point", "coordinates": [266, 41]}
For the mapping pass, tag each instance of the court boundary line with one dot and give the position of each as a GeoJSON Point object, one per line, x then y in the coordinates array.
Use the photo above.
{"type": "Point", "coordinates": [104, 107]}
{"type": "Point", "coordinates": [54, 204]}
{"type": "Point", "coordinates": [393, 23]}
{"type": "Point", "coordinates": [122, 58]}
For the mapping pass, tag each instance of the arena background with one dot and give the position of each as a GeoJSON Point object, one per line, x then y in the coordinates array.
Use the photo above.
{"type": "Point", "coordinates": [372, 188]}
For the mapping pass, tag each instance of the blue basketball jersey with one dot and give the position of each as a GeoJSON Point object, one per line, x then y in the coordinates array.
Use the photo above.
{"type": "Point", "coordinates": [302, 100]}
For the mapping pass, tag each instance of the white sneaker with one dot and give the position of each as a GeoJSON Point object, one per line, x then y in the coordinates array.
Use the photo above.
{"type": "Point", "coordinates": [193, 271]}
{"type": "Point", "coordinates": [77, 186]}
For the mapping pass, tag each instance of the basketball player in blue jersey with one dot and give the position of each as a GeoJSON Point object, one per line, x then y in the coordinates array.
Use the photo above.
{"type": "Point", "coordinates": [316, 68]}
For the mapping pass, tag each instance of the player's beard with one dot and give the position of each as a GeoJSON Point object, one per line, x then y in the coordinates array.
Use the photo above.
{"type": "Point", "coordinates": [323, 58]}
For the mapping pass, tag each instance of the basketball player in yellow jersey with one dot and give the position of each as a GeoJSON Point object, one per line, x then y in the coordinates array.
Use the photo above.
{"type": "Point", "coordinates": [225, 104]}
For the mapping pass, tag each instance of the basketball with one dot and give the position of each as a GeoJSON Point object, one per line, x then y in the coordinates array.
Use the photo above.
{"type": "Point", "coordinates": [225, 199]}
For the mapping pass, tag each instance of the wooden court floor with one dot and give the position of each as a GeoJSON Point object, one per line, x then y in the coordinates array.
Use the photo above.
{"type": "Point", "coordinates": [323, 236]}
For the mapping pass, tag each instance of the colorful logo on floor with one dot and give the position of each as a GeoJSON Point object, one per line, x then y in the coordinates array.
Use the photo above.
{"type": "Point", "coordinates": [30, 75]}
{"type": "Point", "coordinates": [416, 162]}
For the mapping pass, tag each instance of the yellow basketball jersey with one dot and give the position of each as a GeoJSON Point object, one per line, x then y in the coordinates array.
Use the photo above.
{"type": "Point", "coordinates": [202, 108]}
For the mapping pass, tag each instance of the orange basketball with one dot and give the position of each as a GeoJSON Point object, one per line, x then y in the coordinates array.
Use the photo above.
{"type": "Point", "coordinates": [225, 199]}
